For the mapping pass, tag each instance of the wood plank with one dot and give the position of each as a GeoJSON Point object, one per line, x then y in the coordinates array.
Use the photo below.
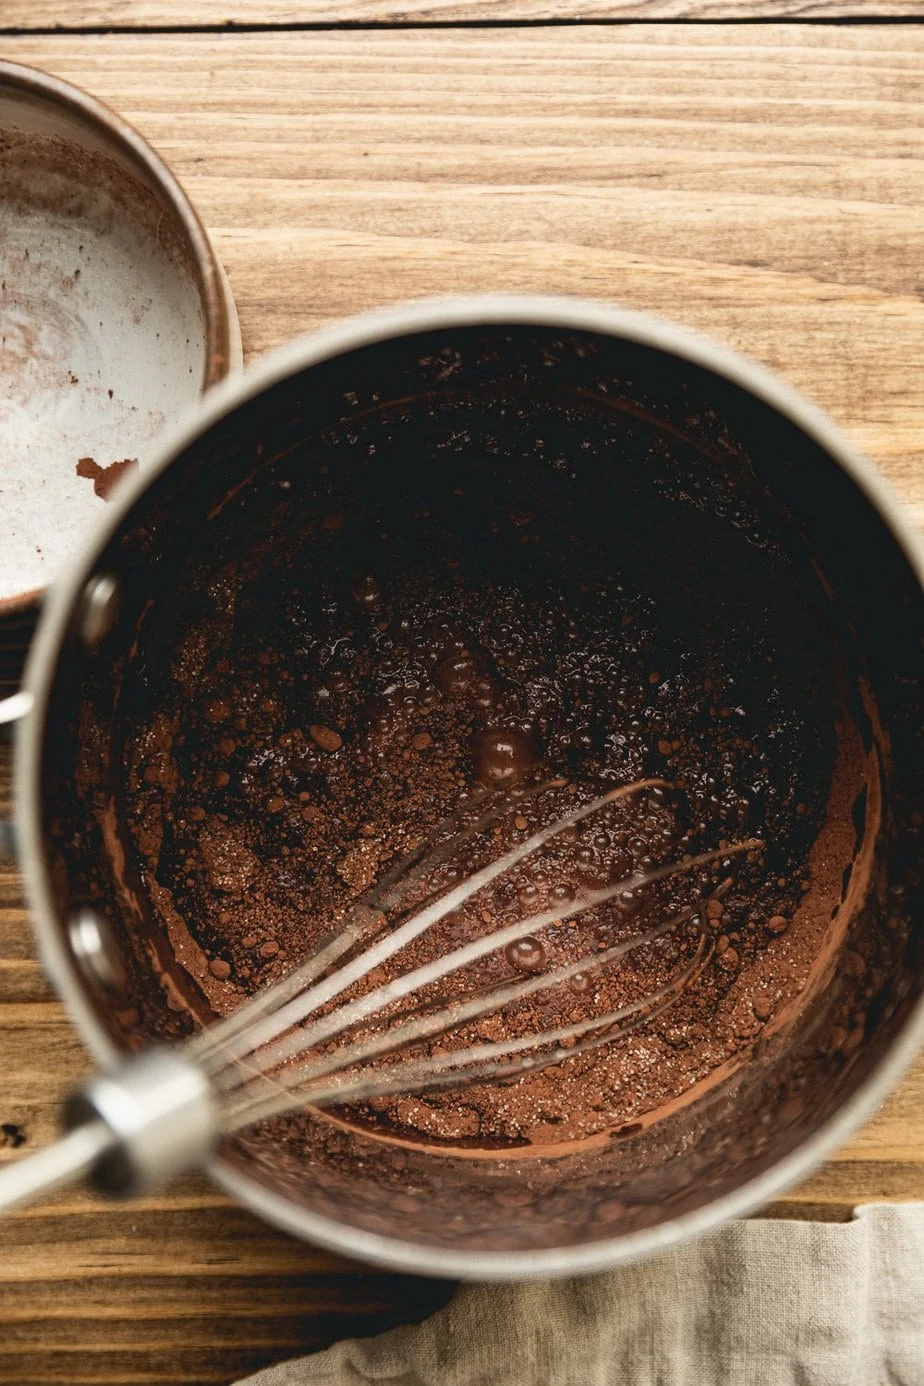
{"type": "Point", "coordinates": [762, 184]}
{"type": "Point", "coordinates": [148, 14]}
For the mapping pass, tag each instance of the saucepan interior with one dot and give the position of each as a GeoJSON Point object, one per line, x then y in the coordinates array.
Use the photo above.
{"type": "Point", "coordinates": [600, 524]}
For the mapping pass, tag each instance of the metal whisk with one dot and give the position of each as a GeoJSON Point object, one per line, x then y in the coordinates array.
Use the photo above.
{"type": "Point", "coordinates": [288, 1047]}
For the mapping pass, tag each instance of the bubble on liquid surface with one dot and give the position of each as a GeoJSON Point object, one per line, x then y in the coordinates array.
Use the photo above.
{"type": "Point", "coordinates": [526, 954]}
{"type": "Point", "coordinates": [365, 589]}
{"type": "Point", "coordinates": [503, 755]}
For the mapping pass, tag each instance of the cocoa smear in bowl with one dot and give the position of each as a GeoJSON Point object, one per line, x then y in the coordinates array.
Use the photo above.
{"type": "Point", "coordinates": [459, 596]}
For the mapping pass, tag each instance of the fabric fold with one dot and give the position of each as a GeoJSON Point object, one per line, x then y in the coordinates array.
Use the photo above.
{"type": "Point", "coordinates": [755, 1303]}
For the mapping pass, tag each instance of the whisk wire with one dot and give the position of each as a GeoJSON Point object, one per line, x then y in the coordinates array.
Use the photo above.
{"type": "Point", "coordinates": [379, 999]}
{"type": "Point", "coordinates": [356, 925]}
{"type": "Point", "coordinates": [456, 1013]}
{"type": "Point", "coordinates": [267, 1019]}
{"type": "Point", "coordinates": [269, 1056]}
{"type": "Point", "coordinates": [477, 1063]}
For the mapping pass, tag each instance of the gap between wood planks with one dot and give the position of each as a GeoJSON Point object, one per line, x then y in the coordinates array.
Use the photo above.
{"type": "Point", "coordinates": [232, 26]}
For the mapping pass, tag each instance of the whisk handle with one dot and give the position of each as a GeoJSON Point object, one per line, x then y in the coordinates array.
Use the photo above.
{"type": "Point", "coordinates": [128, 1129]}
{"type": "Point", "coordinates": [69, 1159]}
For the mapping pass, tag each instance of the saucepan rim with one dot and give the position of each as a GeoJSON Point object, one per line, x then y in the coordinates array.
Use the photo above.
{"type": "Point", "coordinates": [398, 321]}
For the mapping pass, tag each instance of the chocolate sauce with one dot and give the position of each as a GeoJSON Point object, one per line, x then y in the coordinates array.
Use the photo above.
{"type": "Point", "coordinates": [461, 596]}
{"type": "Point", "coordinates": [105, 479]}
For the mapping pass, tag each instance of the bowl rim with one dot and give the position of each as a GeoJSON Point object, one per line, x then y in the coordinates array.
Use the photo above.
{"type": "Point", "coordinates": [397, 321]}
{"type": "Point", "coordinates": [222, 334]}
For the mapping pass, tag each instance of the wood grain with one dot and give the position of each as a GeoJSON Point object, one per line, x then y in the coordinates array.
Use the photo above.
{"type": "Point", "coordinates": [763, 184]}
{"type": "Point", "coordinates": [178, 14]}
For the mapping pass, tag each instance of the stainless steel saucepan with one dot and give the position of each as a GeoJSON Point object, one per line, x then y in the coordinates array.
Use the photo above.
{"type": "Point", "coordinates": [516, 1214]}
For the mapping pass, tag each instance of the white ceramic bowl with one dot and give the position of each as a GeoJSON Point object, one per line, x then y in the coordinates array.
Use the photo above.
{"type": "Point", "coordinates": [115, 315]}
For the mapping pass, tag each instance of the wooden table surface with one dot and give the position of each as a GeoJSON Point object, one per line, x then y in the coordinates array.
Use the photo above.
{"type": "Point", "coordinates": [762, 182]}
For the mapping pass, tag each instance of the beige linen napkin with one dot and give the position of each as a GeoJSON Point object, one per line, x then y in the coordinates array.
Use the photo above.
{"type": "Point", "coordinates": [760, 1303]}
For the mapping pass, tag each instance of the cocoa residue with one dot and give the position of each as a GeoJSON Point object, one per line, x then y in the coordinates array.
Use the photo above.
{"type": "Point", "coordinates": [105, 479]}
{"type": "Point", "coordinates": [419, 648]}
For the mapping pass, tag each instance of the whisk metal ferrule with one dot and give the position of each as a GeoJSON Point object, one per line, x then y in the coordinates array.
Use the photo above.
{"type": "Point", "coordinates": [162, 1115]}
